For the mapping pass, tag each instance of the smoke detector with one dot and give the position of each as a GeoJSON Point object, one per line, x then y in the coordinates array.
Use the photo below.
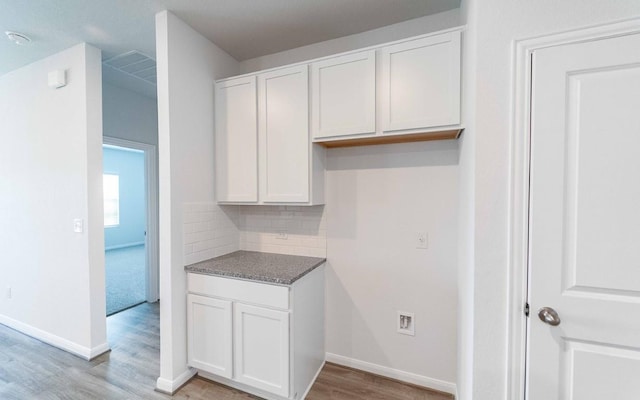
{"type": "Point", "coordinates": [18, 38]}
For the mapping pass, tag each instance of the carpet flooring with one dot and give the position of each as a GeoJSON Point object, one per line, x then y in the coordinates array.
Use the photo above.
{"type": "Point", "coordinates": [125, 278]}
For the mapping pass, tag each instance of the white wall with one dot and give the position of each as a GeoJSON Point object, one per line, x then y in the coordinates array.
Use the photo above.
{"type": "Point", "coordinates": [129, 115]}
{"type": "Point", "coordinates": [129, 167]}
{"type": "Point", "coordinates": [496, 24]}
{"type": "Point", "coordinates": [414, 27]}
{"type": "Point", "coordinates": [378, 198]}
{"type": "Point", "coordinates": [187, 64]}
{"type": "Point", "coordinates": [51, 163]}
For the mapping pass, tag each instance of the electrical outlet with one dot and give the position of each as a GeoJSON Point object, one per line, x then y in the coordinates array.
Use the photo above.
{"type": "Point", "coordinates": [282, 235]}
{"type": "Point", "coordinates": [406, 323]}
{"type": "Point", "coordinates": [422, 240]}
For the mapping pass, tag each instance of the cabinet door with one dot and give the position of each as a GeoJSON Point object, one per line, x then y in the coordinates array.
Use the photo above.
{"type": "Point", "coordinates": [421, 83]}
{"type": "Point", "coordinates": [343, 95]}
{"type": "Point", "coordinates": [236, 140]}
{"type": "Point", "coordinates": [284, 135]}
{"type": "Point", "coordinates": [209, 335]}
{"type": "Point", "coordinates": [262, 348]}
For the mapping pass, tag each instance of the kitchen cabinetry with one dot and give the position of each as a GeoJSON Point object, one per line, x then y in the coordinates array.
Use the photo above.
{"type": "Point", "coordinates": [236, 140]}
{"type": "Point", "coordinates": [421, 83]}
{"type": "Point", "coordinates": [262, 348]}
{"type": "Point", "coordinates": [282, 166]}
{"type": "Point", "coordinates": [343, 94]}
{"type": "Point", "coordinates": [284, 144]}
{"type": "Point", "coordinates": [264, 339]}
{"type": "Point", "coordinates": [210, 345]}
{"type": "Point", "coordinates": [400, 92]}
{"type": "Point", "coordinates": [413, 93]}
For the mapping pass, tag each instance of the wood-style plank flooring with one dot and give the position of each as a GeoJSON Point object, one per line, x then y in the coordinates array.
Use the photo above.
{"type": "Point", "coordinates": [30, 369]}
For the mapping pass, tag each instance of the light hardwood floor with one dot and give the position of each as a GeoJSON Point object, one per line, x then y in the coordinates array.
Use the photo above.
{"type": "Point", "coordinates": [30, 369]}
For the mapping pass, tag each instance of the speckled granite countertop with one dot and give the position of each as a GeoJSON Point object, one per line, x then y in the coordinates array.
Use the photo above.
{"type": "Point", "coordinates": [280, 269]}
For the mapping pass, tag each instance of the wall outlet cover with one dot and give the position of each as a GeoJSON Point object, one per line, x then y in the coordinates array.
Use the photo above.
{"type": "Point", "coordinates": [406, 323]}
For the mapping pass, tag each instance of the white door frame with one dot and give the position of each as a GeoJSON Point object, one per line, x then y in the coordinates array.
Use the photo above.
{"type": "Point", "coordinates": [519, 190]}
{"type": "Point", "coordinates": [151, 195]}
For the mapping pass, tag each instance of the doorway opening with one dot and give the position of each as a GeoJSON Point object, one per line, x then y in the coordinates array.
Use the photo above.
{"type": "Point", "coordinates": [130, 224]}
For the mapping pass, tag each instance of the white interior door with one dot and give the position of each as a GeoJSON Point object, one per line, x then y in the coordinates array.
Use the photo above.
{"type": "Point", "coordinates": [585, 221]}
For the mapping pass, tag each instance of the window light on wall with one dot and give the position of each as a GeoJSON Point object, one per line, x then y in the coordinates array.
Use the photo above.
{"type": "Point", "coordinates": [111, 193]}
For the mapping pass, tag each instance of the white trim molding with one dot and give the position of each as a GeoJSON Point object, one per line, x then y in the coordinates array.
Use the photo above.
{"type": "Point", "coordinates": [88, 353]}
{"type": "Point", "coordinates": [519, 190]}
{"type": "Point", "coordinates": [169, 387]}
{"type": "Point", "coordinates": [151, 193]}
{"type": "Point", "coordinates": [98, 350]}
{"type": "Point", "coordinates": [124, 246]}
{"type": "Point", "coordinates": [409, 377]}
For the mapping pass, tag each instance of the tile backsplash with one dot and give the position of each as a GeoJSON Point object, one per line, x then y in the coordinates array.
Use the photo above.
{"type": "Point", "coordinates": [211, 230]}
{"type": "Point", "coordinates": [293, 230]}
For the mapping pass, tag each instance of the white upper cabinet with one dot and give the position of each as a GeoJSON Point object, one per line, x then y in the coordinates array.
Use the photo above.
{"type": "Point", "coordinates": [264, 153]}
{"type": "Point", "coordinates": [421, 83]}
{"type": "Point", "coordinates": [283, 126]}
{"type": "Point", "coordinates": [267, 122]}
{"type": "Point", "coordinates": [236, 140]}
{"type": "Point", "coordinates": [343, 95]}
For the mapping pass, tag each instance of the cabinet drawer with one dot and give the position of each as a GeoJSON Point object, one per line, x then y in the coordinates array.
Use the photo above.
{"type": "Point", "coordinates": [235, 289]}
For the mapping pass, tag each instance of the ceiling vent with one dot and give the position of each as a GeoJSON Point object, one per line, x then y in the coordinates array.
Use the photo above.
{"type": "Point", "coordinates": [135, 64]}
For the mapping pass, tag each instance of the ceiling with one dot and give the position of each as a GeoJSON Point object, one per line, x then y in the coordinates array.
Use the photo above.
{"type": "Point", "coordinates": [244, 28]}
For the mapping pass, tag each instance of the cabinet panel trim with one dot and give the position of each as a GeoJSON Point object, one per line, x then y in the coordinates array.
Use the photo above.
{"type": "Point", "coordinates": [453, 62]}
{"type": "Point", "coordinates": [280, 388]}
{"type": "Point", "coordinates": [369, 126]}
{"type": "Point", "coordinates": [225, 370]}
{"type": "Point", "coordinates": [246, 163]}
{"type": "Point", "coordinates": [236, 289]}
{"type": "Point", "coordinates": [267, 194]}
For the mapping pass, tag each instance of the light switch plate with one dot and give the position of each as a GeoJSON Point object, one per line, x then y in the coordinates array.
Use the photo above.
{"type": "Point", "coordinates": [78, 225]}
{"type": "Point", "coordinates": [422, 240]}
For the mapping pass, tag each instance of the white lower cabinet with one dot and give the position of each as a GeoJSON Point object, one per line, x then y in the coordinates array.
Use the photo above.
{"type": "Point", "coordinates": [210, 330]}
{"type": "Point", "coordinates": [262, 348]}
{"type": "Point", "coordinates": [263, 339]}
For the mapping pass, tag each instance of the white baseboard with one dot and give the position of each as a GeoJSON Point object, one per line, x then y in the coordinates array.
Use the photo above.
{"type": "Point", "coordinates": [169, 386]}
{"type": "Point", "coordinates": [54, 340]}
{"type": "Point", "coordinates": [409, 377]}
{"type": "Point", "coordinates": [98, 350]}
{"type": "Point", "coordinates": [123, 246]}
